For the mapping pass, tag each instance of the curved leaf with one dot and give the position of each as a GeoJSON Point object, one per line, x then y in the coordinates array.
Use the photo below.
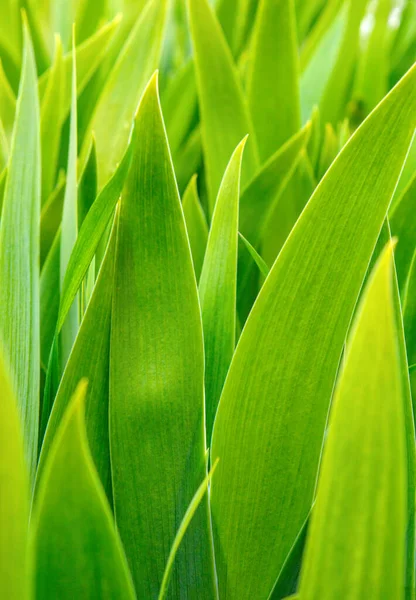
{"type": "Point", "coordinates": [196, 225]}
{"type": "Point", "coordinates": [271, 417]}
{"type": "Point", "coordinates": [356, 541]}
{"type": "Point", "coordinates": [19, 256]}
{"type": "Point", "coordinates": [76, 548]}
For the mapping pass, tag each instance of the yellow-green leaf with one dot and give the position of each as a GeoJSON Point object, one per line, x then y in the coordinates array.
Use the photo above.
{"type": "Point", "coordinates": [272, 414]}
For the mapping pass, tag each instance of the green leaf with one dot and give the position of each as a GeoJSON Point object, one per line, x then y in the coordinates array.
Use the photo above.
{"type": "Point", "coordinates": [189, 515]}
{"type": "Point", "coordinates": [262, 266]}
{"type": "Point", "coordinates": [356, 541]}
{"type": "Point", "coordinates": [218, 286]}
{"type": "Point", "coordinates": [371, 83]}
{"type": "Point", "coordinates": [157, 436]}
{"type": "Point", "coordinates": [14, 491]}
{"type": "Point", "coordinates": [50, 120]}
{"type": "Point", "coordinates": [51, 217]}
{"type": "Point", "coordinates": [329, 150]}
{"type": "Point", "coordinates": [272, 414]}
{"type": "Point", "coordinates": [224, 123]}
{"type": "Point", "coordinates": [19, 256]}
{"type": "Point", "coordinates": [409, 171]}
{"type": "Point", "coordinates": [236, 18]}
{"type": "Point", "coordinates": [7, 103]}
{"type": "Point", "coordinates": [316, 73]}
{"type": "Point", "coordinates": [90, 360]}
{"type": "Point", "coordinates": [69, 230]}
{"type": "Point", "coordinates": [334, 99]}
{"type": "Point", "coordinates": [74, 541]}
{"type": "Point", "coordinates": [196, 225]}
{"type": "Point", "coordinates": [118, 101]}
{"type": "Point", "coordinates": [89, 55]}
{"type": "Point", "coordinates": [49, 299]}
{"type": "Point", "coordinates": [90, 235]}
{"type": "Point", "coordinates": [288, 208]}
{"type": "Point", "coordinates": [403, 227]}
{"type": "Point", "coordinates": [273, 76]}
{"type": "Point", "coordinates": [257, 206]}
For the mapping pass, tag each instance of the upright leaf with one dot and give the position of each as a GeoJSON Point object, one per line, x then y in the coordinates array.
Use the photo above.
{"type": "Point", "coordinates": [157, 436]}
{"type": "Point", "coordinates": [7, 103]}
{"type": "Point", "coordinates": [50, 122]}
{"type": "Point", "coordinates": [74, 541]}
{"type": "Point", "coordinates": [224, 123]}
{"type": "Point", "coordinates": [273, 76]}
{"type": "Point", "coordinates": [218, 286]}
{"type": "Point", "coordinates": [236, 18]}
{"type": "Point", "coordinates": [90, 360]}
{"type": "Point", "coordinates": [271, 417]}
{"type": "Point", "coordinates": [196, 225]}
{"type": "Point", "coordinates": [14, 497]}
{"type": "Point", "coordinates": [404, 228]}
{"type": "Point", "coordinates": [119, 99]}
{"type": "Point", "coordinates": [356, 541]}
{"type": "Point", "coordinates": [69, 229]}
{"type": "Point", "coordinates": [19, 256]}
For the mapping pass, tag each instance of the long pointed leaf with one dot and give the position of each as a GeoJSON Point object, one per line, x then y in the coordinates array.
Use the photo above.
{"type": "Point", "coordinates": [272, 413]}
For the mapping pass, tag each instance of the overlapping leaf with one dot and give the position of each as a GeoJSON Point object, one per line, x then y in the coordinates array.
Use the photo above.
{"type": "Point", "coordinates": [272, 413]}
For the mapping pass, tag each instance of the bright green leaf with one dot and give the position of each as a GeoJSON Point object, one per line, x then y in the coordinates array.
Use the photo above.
{"type": "Point", "coordinates": [19, 256]}
{"type": "Point", "coordinates": [273, 76]}
{"type": "Point", "coordinates": [224, 123]}
{"type": "Point", "coordinates": [14, 497]}
{"type": "Point", "coordinates": [271, 417]}
{"type": "Point", "coordinates": [356, 541]}
{"type": "Point", "coordinates": [196, 225]}
{"type": "Point", "coordinates": [157, 436]}
{"type": "Point", "coordinates": [218, 286]}
{"type": "Point", "coordinates": [73, 537]}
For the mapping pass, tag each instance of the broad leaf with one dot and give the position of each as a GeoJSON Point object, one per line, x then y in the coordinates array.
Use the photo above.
{"type": "Point", "coordinates": [356, 540]}
{"type": "Point", "coordinates": [73, 537]}
{"type": "Point", "coordinates": [19, 256]}
{"type": "Point", "coordinates": [271, 417]}
{"type": "Point", "coordinates": [157, 436]}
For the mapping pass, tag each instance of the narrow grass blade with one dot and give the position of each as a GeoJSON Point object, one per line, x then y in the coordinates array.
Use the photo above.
{"type": "Point", "coordinates": [7, 103]}
{"type": "Point", "coordinates": [90, 235]}
{"type": "Point", "coordinates": [189, 515]}
{"type": "Point", "coordinates": [356, 540]}
{"type": "Point", "coordinates": [262, 266]}
{"type": "Point", "coordinates": [14, 497]}
{"type": "Point", "coordinates": [89, 55]}
{"type": "Point", "coordinates": [225, 123]}
{"type": "Point", "coordinates": [372, 76]}
{"type": "Point", "coordinates": [49, 299]}
{"type": "Point", "coordinates": [273, 76]}
{"type": "Point", "coordinates": [71, 520]}
{"type": "Point", "coordinates": [50, 123]}
{"type": "Point", "coordinates": [218, 286]}
{"type": "Point", "coordinates": [19, 256]}
{"type": "Point", "coordinates": [334, 99]}
{"type": "Point", "coordinates": [283, 370]}
{"type": "Point", "coordinates": [404, 228]}
{"type": "Point", "coordinates": [288, 208]}
{"type": "Point", "coordinates": [157, 436]}
{"type": "Point", "coordinates": [119, 99]}
{"type": "Point", "coordinates": [236, 18]}
{"type": "Point", "coordinates": [90, 360]}
{"type": "Point", "coordinates": [69, 230]}
{"type": "Point", "coordinates": [196, 225]}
